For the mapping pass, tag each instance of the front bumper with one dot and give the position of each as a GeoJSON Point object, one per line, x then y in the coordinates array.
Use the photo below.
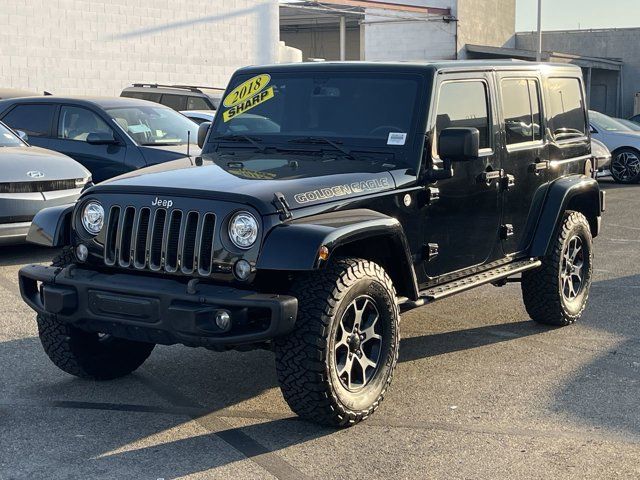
{"type": "Point", "coordinates": [13, 232]}
{"type": "Point", "coordinates": [155, 310]}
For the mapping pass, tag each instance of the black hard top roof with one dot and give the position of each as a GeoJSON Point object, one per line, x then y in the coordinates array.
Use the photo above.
{"type": "Point", "coordinates": [426, 66]}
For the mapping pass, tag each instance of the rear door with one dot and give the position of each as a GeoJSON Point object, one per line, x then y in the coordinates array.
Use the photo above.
{"type": "Point", "coordinates": [35, 119]}
{"type": "Point", "coordinates": [74, 125]}
{"type": "Point", "coordinates": [524, 157]}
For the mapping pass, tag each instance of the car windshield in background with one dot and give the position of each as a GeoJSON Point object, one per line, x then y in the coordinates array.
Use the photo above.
{"type": "Point", "coordinates": [150, 125]}
{"type": "Point", "coordinates": [351, 108]}
{"type": "Point", "coordinates": [8, 139]}
{"type": "Point", "coordinates": [606, 123]}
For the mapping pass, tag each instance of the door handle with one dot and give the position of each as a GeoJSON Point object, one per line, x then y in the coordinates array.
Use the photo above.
{"type": "Point", "coordinates": [489, 176]}
{"type": "Point", "coordinates": [538, 166]}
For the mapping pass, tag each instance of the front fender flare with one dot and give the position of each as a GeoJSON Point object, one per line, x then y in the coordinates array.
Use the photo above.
{"type": "Point", "coordinates": [294, 246]}
{"type": "Point", "coordinates": [51, 226]}
{"type": "Point", "coordinates": [575, 192]}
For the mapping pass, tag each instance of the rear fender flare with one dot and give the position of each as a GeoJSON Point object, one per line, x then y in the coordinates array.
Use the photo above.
{"type": "Point", "coordinates": [580, 193]}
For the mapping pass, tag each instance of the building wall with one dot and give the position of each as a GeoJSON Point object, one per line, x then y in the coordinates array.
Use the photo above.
{"type": "Point", "coordinates": [622, 44]}
{"type": "Point", "coordinates": [97, 47]}
{"type": "Point", "coordinates": [486, 22]}
{"type": "Point", "coordinates": [323, 42]}
{"type": "Point", "coordinates": [394, 39]}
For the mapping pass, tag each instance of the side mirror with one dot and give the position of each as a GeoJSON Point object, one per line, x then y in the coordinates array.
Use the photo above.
{"type": "Point", "coordinates": [23, 136]}
{"type": "Point", "coordinates": [101, 138]}
{"type": "Point", "coordinates": [203, 129]}
{"type": "Point", "coordinates": [459, 144]}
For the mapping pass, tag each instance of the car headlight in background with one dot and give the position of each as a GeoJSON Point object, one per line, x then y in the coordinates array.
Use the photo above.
{"type": "Point", "coordinates": [81, 182]}
{"type": "Point", "coordinates": [93, 217]}
{"type": "Point", "coordinates": [243, 230]}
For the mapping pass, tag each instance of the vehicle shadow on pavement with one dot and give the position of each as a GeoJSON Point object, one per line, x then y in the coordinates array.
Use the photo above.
{"type": "Point", "coordinates": [11, 255]}
{"type": "Point", "coordinates": [604, 392]}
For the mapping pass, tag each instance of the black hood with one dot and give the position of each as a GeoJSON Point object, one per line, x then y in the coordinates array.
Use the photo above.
{"type": "Point", "coordinates": [253, 178]}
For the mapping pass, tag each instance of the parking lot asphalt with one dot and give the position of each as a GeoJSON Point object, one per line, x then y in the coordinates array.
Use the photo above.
{"type": "Point", "coordinates": [480, 392]}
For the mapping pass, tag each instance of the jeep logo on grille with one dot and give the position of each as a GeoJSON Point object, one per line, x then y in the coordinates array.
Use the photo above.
{"type": "Point", "coordinates": [158, 202]}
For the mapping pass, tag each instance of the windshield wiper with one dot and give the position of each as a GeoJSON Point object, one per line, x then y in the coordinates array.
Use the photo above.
{"type": "Point", "coordinates": [242, 138]}
{"type": "Point", "coordinates": [317, 140]}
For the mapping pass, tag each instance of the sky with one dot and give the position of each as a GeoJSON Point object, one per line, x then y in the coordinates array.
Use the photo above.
{"type": "Point", "coordinates": [573, 14]}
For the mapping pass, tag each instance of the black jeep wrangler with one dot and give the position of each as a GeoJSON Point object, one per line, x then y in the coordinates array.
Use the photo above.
{"type": "Point", "coordinates": [329, 198]}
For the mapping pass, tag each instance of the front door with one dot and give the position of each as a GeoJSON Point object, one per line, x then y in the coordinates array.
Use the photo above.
{"type": "Point", "coordinates": [74, 126]}
{"type": "Point", "coordinates": [465, 220]}
{"type": "Point", "coordinates": [524, 159]}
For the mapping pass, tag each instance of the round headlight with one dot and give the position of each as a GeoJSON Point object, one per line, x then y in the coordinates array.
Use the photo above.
{"type": "Point", "coordinates": [243, 230]}
{"type": "Point", "coordinates": [93, 217]}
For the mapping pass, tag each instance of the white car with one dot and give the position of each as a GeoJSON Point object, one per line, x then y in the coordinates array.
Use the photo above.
{"type": "Point", "coordinates": [624, 144]}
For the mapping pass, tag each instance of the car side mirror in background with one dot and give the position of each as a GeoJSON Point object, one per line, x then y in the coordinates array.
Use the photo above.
{"type": "Point", "coordinates": [203, 129]}
{"type": "Point", "coordinates": [23, 136]}
{"type": "Point", "coordinates": [101, 138]}
{"type": "Point", "coordinates": [459, 144]}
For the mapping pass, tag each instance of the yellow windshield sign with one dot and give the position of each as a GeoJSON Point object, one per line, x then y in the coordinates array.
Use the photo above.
{"type": "Point", "coordinates": [246, 90]}
{"type": "Point", "coordinates": [248, 104]}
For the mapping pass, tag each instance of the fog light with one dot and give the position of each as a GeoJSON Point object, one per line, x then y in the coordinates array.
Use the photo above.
{"type": "Point", "coordinates": [82, 252]}
{"type": "Point", "coordinates": [223, 320]}
{"type": "Point", "coordinates": [242, 269]}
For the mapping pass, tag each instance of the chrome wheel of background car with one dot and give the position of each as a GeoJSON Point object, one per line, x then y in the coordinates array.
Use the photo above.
{"type": "Point", "coordinates": [625, 166]}
{"type": "Point", "coordinates": [572, 269]}
{"type": "Point", "coordinates": [358, 343]}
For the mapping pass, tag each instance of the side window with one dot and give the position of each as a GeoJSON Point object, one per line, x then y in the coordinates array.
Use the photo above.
{"type": "Point", "coordinates": [197, 103]}
{"type": "Point", "coordinates": [173, 101]}
{"type": "Point", "coordinates": [521, 110]}
{"type": "Point", "coordinates": [566, 108]}
{"type": "Point", "coordinates": [76, 123]}
{"type": "Point", "coordinates": [34, 120]}
{"type": "Point", "coordinates": [464, 104]}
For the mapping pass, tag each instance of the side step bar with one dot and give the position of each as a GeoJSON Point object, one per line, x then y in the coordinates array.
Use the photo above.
{"type": "Point", "coordinates": [467, 283]}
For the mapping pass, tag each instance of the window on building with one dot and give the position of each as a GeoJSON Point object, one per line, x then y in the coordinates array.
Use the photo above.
{"type": "Point", "coordinates": [566, 111]}
{"type": "Point", "coordinates": [521, 109]}
{"type": "Point", "coordinates": [34, 119]}
{"type": "Point", "coordinates": [77, 123]}
{"type": "Point", "coordinates": [464, 104]}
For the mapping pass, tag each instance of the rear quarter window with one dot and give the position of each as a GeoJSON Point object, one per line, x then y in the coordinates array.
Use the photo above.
{"type": "Point", "coordinates": [34, 120]}
{"type": "Point", "coordinates": [566, 108]}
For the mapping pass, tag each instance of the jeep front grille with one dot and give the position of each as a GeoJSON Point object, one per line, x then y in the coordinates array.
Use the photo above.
{"type": "Point", "coordinates": [168, 241]}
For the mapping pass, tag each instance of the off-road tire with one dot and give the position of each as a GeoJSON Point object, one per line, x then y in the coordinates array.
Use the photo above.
{"type": "Point", "coordinates": [615, 171]}
{"type": "Point", "coordinates": [306, 360]}
{"type": "Point", "coordinates": [542, 287]}
{"type": "Point", "coordinates": [88, 354]}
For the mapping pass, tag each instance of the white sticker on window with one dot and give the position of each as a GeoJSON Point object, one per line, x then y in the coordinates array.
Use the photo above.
{"type": "Point", "coordinates": [396, 138]}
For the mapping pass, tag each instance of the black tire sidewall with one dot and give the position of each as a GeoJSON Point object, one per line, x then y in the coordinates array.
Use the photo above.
{"type": "Point", "coordinates": [385, 303]}
{"type": "Point", "coordinates": [575, 307]}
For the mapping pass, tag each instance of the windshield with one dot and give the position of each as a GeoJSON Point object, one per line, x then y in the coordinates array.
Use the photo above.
{"type": "Point", "coordinates": [606, 123]}
{"type": "Point", "coordinates": [155, 125]}
{"type": "Point", "coordinates": [8, 139]}
{"type": "Point", "coordinates": [351, 109]}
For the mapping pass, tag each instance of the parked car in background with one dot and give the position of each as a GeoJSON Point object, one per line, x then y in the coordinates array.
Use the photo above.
{"type": "Point", "coordinates": [200, 116]}
{"type": "Point", "coordinates": [178, 97]}
{"type": "Point", "coordinates": [635, 119]}
{"type": "Point", "coordinates": [624, 144]}
{"type": "Point", "coordinates": [603, 157]}
{"type": "Point", "coordinates": [628, 123]}
{"type": "Point", "coordinates": [31, 179]}
{"type": "Point", "coordinates": [109, 136]}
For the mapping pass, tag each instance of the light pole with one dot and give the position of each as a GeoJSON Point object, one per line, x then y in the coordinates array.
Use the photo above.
{"type": "Point", "coordinates": [539, 49]}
